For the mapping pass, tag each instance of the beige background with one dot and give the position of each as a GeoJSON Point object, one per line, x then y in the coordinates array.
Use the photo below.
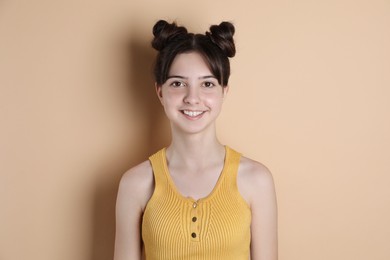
{"type": "Point", "coordinates": [310, 98]}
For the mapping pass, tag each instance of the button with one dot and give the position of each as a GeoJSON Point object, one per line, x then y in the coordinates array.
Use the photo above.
{"type": "Point", "coordinates": [194, 205]}
{"type": "Point", "coordinates": [193, 235]}
{"type": "Point", "coordinates": [194, 219]}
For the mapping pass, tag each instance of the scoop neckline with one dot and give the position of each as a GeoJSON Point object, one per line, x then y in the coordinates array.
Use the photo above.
{"type": "Point", "coordinates": [189, 198]}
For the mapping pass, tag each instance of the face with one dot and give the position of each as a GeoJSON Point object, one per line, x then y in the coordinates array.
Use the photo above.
{"type": "Point", "coordinates": [192, 97]}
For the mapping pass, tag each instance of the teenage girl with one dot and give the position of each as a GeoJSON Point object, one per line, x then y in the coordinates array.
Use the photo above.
{"type": "Point", "coordinates": [196, 198]}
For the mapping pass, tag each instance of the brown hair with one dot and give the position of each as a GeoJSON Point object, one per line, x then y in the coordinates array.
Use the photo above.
{"type": "Point", "coordinates": [215, 46]}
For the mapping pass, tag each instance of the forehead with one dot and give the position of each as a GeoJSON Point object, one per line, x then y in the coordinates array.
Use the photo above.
{"type": "Point", "coordinates": [190, 64]}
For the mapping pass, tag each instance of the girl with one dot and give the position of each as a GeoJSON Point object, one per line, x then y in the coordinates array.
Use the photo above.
{"type": "Point", "coordinates": [196, 198]}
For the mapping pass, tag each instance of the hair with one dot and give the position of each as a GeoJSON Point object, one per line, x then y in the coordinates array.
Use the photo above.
{"type": "Point", "coordinates": [216, 46]}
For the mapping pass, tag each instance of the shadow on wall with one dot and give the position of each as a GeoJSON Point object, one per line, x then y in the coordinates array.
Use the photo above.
{"type": "Point", "coordinates": [154, 136]}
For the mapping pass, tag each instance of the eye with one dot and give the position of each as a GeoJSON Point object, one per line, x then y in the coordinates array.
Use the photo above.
{"type": "Point", "coordinates": [177, 84]}
{"type": "Point", "coordinates": [208, 84]}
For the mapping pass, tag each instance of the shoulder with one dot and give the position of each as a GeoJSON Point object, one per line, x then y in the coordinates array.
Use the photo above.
{"type": "Point", "coordinates": [255, 172]}
{"type": "Point", "coordinates": [254, 180]}
{"type": "Point", "coordinates": [137, 184]}
{"type": "Point", "coordinates": [138, 174]}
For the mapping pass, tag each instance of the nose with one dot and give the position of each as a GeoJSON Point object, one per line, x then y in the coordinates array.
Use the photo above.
{"type": "Point", "coordinates": [192, 95]}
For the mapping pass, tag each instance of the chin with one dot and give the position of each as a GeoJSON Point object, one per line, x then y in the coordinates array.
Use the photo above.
{"type": "Point", "coordinates": [194, 129]}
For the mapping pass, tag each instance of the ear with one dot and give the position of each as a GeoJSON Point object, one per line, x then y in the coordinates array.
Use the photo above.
{"type": "Point", "coordinates": [158, 91]}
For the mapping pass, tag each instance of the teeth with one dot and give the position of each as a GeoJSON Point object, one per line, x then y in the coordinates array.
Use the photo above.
{"type": "Point", "coordinates": [192, 113]}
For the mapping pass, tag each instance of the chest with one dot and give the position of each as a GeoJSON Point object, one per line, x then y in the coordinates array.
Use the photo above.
{"type": "Point", "coordinates": [184, 228]}
{"type": "Point", "coordinates": [197, 184]}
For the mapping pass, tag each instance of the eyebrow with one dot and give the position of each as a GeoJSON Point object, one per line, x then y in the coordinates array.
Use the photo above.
{"type": "Point", "coordinates": [182, 77]}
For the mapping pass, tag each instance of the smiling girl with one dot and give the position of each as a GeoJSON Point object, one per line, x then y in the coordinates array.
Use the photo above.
{"type": "Point", "coordinates": [196, 198]}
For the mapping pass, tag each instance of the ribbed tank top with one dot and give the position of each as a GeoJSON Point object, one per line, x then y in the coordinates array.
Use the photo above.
{"type": "Point", "coordinates": [216, 227]}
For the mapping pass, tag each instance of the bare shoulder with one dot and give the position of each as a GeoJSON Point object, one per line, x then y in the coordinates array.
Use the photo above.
{"type": "Point", "coordinates": [137, 174]}
{"type": "Point", "coordinates": [137, 184]}
{"type": "Point", "coordinates": [254, 179]}
{"type": "Point", "coordinates": [253, 171]}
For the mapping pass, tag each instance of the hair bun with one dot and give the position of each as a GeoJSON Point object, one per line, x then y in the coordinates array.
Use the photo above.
{"type": "Point", "coordinates": [164, 32]}
{"type": "Point", "coordinates": [222, 36]}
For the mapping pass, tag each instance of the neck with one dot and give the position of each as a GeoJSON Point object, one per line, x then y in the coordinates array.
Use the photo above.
{"type": "Point", "coordinates": [195, 150]}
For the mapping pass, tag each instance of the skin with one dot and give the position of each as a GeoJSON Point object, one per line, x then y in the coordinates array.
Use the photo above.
{"type": "Point", "coordinates": [196, 151]}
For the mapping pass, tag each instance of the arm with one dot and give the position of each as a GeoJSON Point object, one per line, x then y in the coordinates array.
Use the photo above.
{"type": "Point", "coordinates": [256, 185]}
{"type": "Point", "coordinates": [135, 190]}
{"type": "Point", "coordinates": [264, 242]}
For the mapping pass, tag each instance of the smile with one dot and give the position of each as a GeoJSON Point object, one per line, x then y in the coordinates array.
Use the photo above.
{"type": "Point", "coordinates": [192, 113]}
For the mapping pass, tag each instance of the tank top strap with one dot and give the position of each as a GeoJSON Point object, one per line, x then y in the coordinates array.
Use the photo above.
{"type": "Point", "coordinates": [234, 158]}
{"type": "Point", "coordinates": [158, 165]}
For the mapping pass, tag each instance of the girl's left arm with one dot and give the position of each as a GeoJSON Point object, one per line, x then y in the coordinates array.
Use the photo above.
{"type": "Point", "coordinates": [264, 237]}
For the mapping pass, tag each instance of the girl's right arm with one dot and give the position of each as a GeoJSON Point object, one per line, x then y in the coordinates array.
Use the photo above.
{"type": "Point", "coordinates": [135, 190]}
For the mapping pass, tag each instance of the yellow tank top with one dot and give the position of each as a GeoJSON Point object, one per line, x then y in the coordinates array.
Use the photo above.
{"type": "Point", "coordinates": [216, 227]}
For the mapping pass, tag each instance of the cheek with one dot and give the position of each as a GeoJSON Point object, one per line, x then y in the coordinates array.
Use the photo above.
{"type": "Point", "coordinates": [214, 100]}
{"type": "Point", "coordinates": [171, 98]}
